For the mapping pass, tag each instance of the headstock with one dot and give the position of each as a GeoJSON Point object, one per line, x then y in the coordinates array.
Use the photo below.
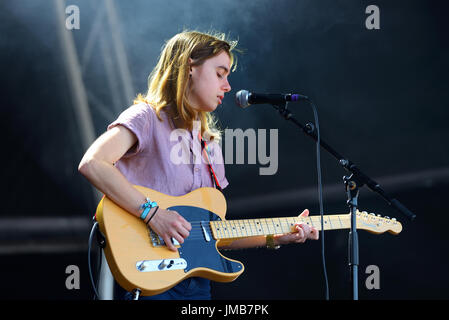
{"type": "Point", "coordinates": [377, 224]}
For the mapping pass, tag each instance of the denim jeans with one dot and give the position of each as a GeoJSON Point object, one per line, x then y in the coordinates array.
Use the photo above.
{"type": "Point", "coordinates": [190, 289]}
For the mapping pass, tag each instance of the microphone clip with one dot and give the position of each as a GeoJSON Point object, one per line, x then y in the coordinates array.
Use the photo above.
{"type": "Point", "coordinates": [282, 108]}
{"type": "Point", "coordinates": [309, 127]}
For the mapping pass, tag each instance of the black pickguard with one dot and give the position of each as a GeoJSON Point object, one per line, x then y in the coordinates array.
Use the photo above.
{"type": "Point", "coordinates": [196, 250]}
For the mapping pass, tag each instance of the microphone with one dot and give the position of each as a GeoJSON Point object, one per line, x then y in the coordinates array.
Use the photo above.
{"type": "Point", "coordinates": [244, 98]}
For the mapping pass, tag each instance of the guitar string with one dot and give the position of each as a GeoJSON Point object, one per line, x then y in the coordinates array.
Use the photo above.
{"type": "Point", "coordinates": [240, 224]}
{"type": "Point", "coordinates": [234, 228]}
{"type": "Point", "coordinates": [230, 232]}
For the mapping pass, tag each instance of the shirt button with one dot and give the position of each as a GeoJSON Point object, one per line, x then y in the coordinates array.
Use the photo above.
{"type": "Point", "coordinates": [197, 169]}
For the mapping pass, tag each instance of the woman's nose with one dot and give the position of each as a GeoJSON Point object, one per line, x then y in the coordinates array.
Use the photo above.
{"type": "Point", "coordinates": [227, 86]}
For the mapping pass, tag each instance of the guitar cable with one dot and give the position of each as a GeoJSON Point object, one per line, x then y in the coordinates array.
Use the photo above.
{"type": "Point", "coordinates": [309, 128]}
{"type": "Point", "coordinates": [92, 232]}
{"type": "Point", "coordinates": [320, 195]}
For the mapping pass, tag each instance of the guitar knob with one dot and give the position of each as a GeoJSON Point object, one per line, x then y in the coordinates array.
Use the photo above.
{"type": "Point", "coordinates": [387, 217]}
{"type": "Point", "coordinates": [141, 266]}
{"type": "Point", "coordinates": [162, 265]}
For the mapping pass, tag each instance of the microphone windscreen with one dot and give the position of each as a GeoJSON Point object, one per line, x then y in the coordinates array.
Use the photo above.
{"type": "Point", "coordinates": [241, 98]}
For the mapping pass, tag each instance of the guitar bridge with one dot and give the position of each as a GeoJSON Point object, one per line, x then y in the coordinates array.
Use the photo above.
{"type": "Point", "coordinates": [157, 241]}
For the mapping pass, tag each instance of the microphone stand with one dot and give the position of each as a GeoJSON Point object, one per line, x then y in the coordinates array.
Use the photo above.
{"type": "Point", "coordinates": [353, 182]}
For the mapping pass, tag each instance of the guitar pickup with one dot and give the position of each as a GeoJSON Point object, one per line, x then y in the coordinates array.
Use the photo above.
{"type": "Point", "coordinates": [158, 241]}
{"type": "Point", "coordinates": [204, 225]}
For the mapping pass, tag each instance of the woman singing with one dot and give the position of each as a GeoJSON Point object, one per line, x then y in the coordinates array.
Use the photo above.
{"type": "Point", "coordinates": [187, 84]}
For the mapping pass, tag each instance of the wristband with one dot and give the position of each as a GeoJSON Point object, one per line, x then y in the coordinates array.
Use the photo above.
{"type": "Point", "coordinates": [147, 206]}
{"type": "Point", "coordinates": [270, 242]}
{"type": "Point", "coordinates": [152, 215]}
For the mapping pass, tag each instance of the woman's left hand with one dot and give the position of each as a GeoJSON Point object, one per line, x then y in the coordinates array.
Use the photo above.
{"type": "Point", "coordinates": [302, 233]}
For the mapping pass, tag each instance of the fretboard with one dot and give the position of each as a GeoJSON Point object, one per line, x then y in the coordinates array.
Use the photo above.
{"type": "Point", "coordinates": [229, 229]}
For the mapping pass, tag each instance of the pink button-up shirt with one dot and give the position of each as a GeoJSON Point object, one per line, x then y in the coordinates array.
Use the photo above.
{"type": "Point", "coordinates": [166, 159]}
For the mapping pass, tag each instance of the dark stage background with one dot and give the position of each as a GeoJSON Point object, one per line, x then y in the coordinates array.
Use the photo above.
{"type": "Point", "coordinates": [382, 97]}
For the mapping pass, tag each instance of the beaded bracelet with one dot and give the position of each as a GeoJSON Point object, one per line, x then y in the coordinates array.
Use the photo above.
{"type": "Point", "coordinates": [147, 206]}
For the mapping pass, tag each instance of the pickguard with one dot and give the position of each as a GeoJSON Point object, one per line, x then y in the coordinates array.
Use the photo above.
{"type": "Point", "coordinates": [199, 248]}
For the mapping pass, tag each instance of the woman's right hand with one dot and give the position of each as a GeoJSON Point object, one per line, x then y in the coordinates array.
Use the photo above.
{"type": "Point", "coordinates": [170, 224]}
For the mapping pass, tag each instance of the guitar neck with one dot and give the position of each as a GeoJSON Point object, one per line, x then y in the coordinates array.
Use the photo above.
{"type": "Point", "coordinates": [231, 229]}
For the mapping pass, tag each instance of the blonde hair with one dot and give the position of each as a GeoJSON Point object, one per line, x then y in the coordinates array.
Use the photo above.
{"type": "Point", "coordinates": [167, 82]}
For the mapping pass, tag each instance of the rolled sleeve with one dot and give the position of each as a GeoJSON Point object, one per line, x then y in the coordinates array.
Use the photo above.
{"type": "Point", "coordinates": [139, 120]}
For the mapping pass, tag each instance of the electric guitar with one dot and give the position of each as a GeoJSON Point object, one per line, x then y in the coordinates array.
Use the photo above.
{"type": "Point", "coordinates": [139, 259]}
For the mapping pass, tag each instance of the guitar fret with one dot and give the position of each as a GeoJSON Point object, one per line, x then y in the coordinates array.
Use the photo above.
{"type": "Point", "coordinates": [238, 228]}
{"type": "Point", "coordinates": [226, 229]}
{"type": "Point", "coordinates": [261, 229]}
{"type": "Point", "coordinates": [232, 228]}
{"type": "Point", "coordinates": [329, 223]}
{"type": "Point", "coordinates": [247, 227]}
{"type": "Point", "coordinates": [285, 227]}
{"type": "Point", "coordinates": [341, 224]}
{"type": "Point", "coordinates": [229, 228]}
{"type": "Point", "coordinates": [273, 225]}
{"type": "Point", "coordinates": [293, 220]}
{"type": "Point", "coordinates": [251, 228]}
{"type": "Point", "coordinates": [279, 225]}
{"type": "Point", "coordinates": [221, 228]}
{"type": "Point", "coordinates": [243, 228]}
{"type": "Point", "coordinates": [234, 234]}
{"type": "Point", "coordinates": [311, 222]}
{"type": "Point", "coordinates": [222, 234]}
{"type": "Point", "coordinates": [268, 226]}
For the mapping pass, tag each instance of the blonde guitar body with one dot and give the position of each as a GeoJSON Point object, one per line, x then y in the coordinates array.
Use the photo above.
{"type": "Point", "coordinates": [128, 242]}
{"type": "Point", "coordinates": [139, 259]}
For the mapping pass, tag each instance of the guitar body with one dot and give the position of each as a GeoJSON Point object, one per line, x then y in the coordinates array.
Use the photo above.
{"type": "Point", "coordinates": [138, 258]}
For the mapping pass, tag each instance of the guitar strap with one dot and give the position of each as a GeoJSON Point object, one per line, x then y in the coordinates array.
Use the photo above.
{"type": "Point", "coordinates": [205, 150]}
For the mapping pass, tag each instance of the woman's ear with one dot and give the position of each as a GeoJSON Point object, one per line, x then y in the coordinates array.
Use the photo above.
{"type": "Point", "coordinates": [190, 67]}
